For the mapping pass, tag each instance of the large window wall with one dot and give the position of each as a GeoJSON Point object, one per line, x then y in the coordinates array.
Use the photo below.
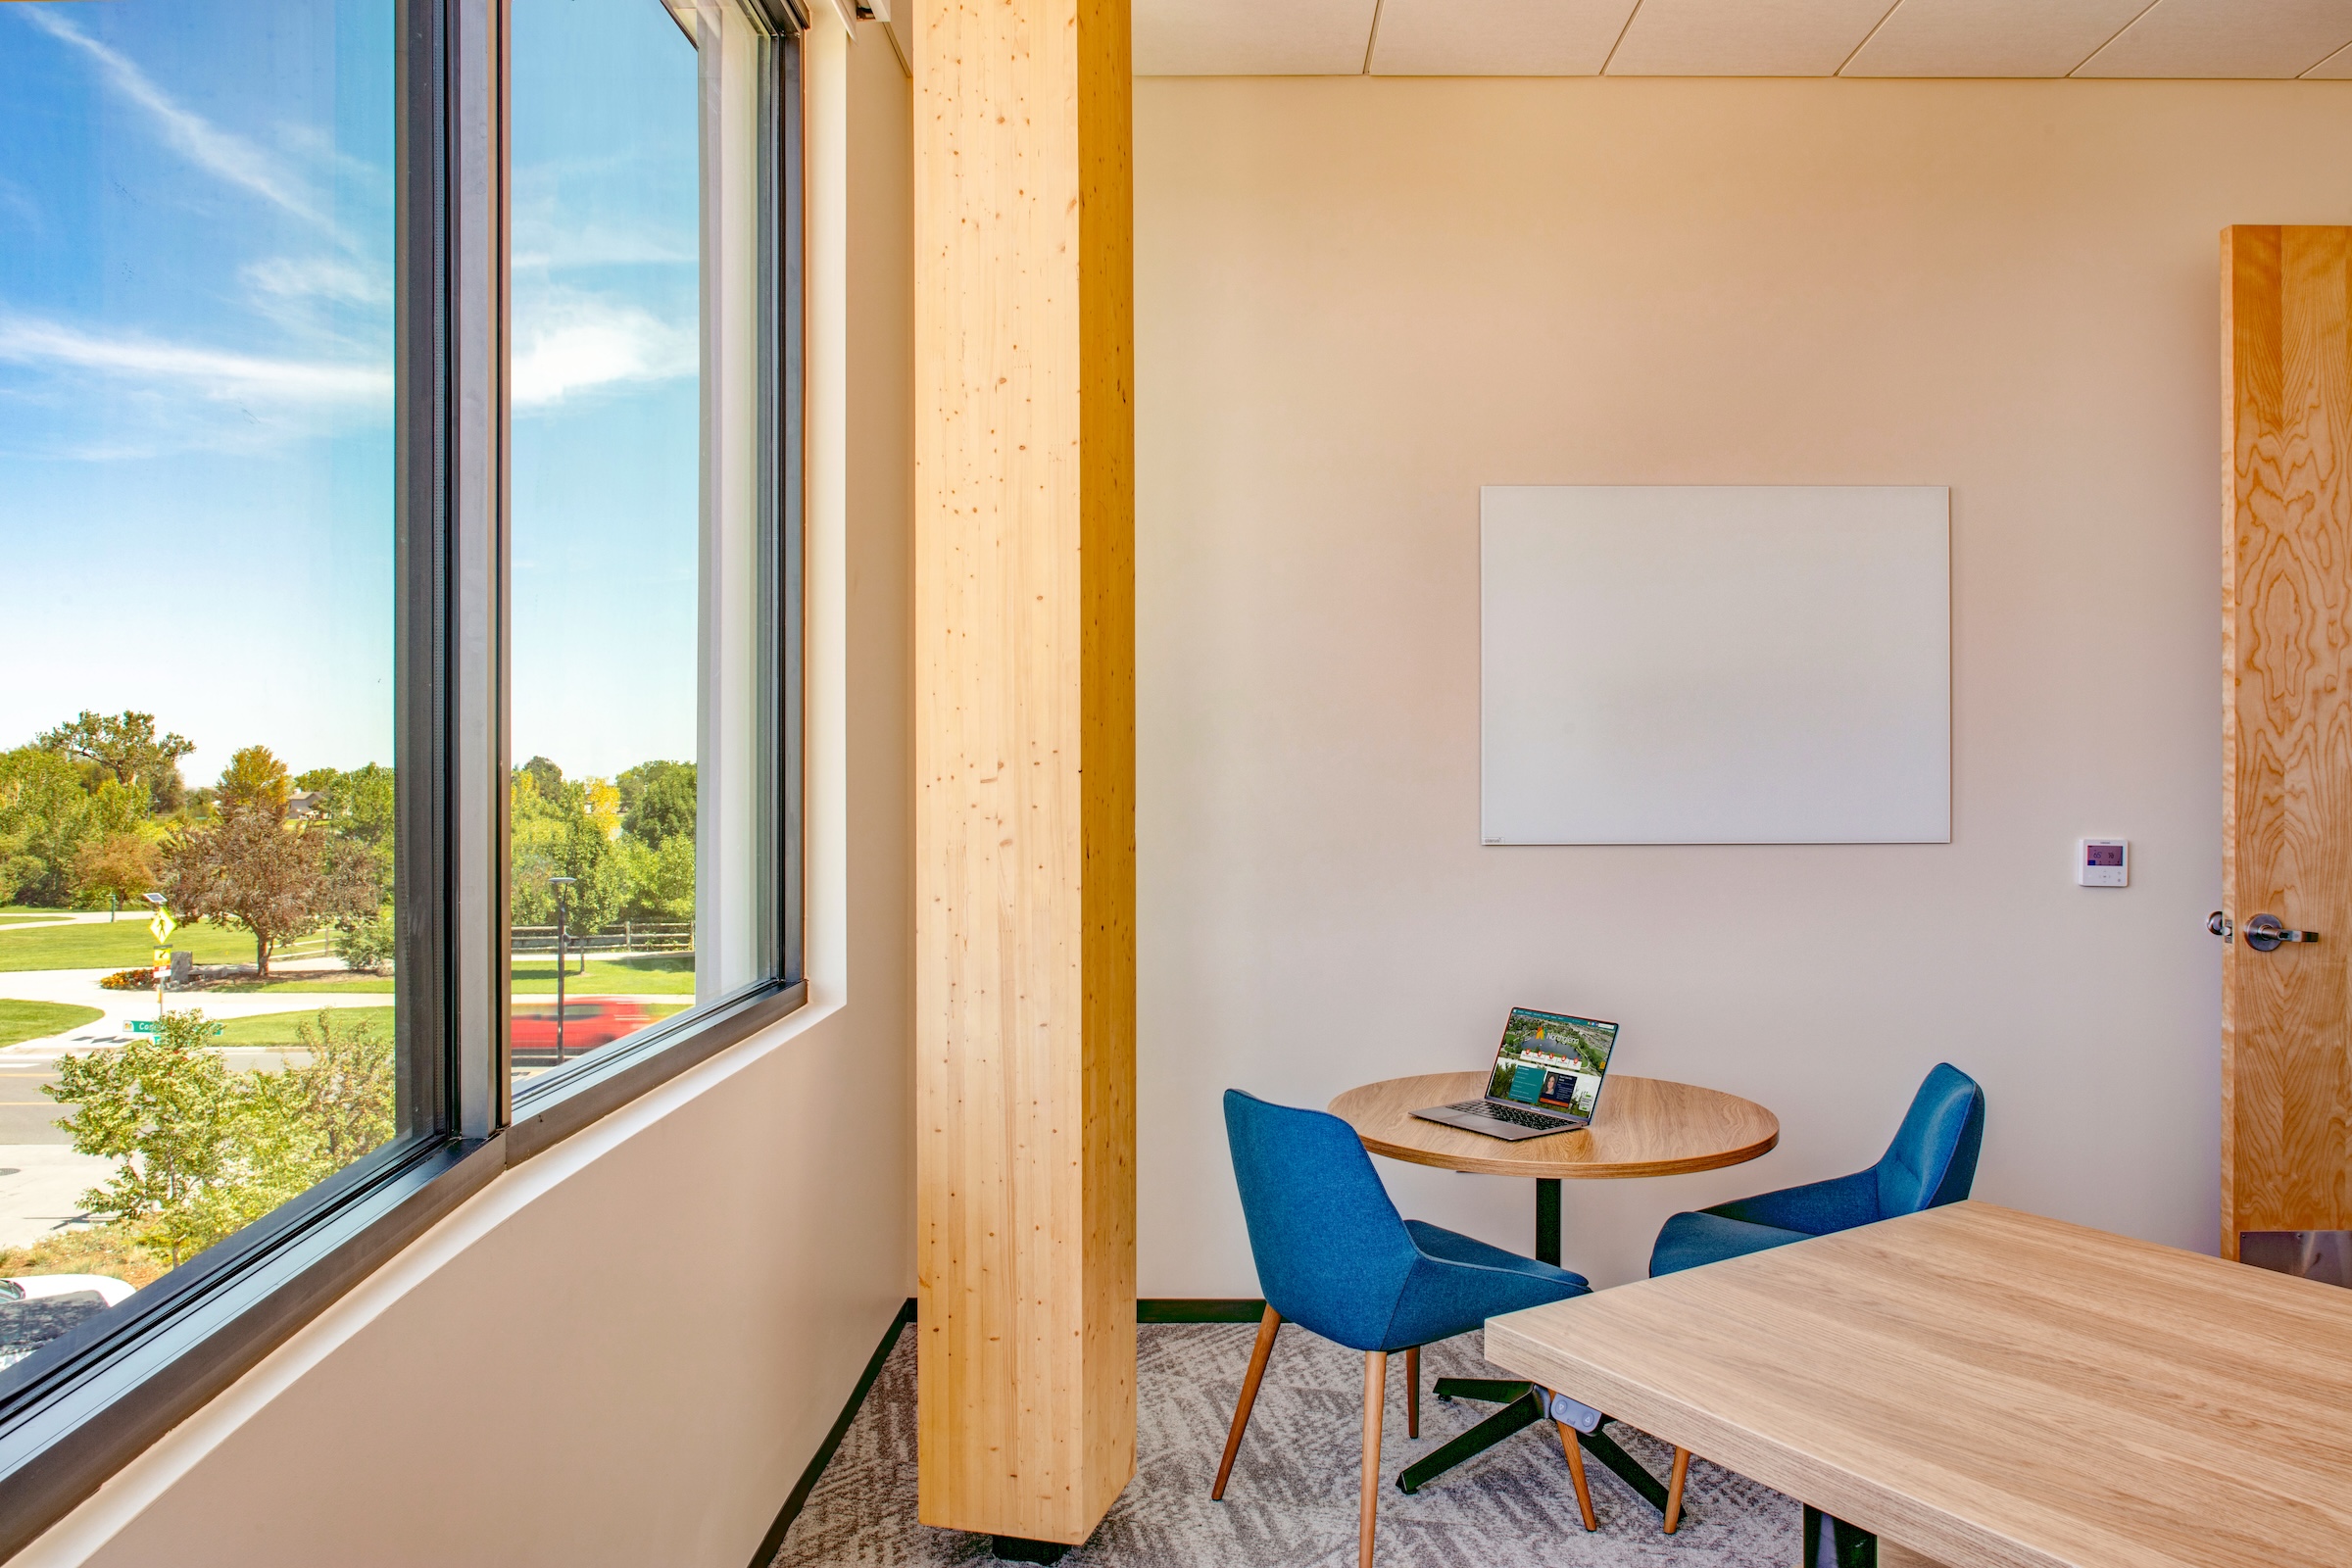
{"type": "Point", "coordinates": [398, 762]}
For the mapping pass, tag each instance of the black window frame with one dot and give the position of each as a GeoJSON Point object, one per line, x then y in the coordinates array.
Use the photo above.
{"type": "Point", "coordinates": [87, 1403]}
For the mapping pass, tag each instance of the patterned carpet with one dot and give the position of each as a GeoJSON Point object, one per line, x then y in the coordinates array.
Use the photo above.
{"type": "Point", "coordinates": [1292, 1502]}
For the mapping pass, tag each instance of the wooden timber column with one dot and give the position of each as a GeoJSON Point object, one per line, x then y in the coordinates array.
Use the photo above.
{"type": "Point", "coordinates": [1024, 764]}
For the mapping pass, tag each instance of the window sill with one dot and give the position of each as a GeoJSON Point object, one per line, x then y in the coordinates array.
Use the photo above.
{"type": "Point", "coordinates": [125, 1378]}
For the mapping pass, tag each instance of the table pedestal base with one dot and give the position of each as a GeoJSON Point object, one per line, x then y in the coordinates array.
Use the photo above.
{"type": "Point", "coordinates": [1521, 1410]}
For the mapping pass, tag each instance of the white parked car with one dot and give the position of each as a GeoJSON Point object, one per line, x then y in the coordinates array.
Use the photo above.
{"type": "Point", "coordinates": [36, 1287]}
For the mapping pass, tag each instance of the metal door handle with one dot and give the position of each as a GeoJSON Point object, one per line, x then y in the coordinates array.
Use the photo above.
{"type": "Point", "coordinates": [2265, 932]}
{"type": "Point", "coordinates": [2219, 924]}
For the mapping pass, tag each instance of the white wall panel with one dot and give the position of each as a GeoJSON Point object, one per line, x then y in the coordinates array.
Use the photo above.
{"type": "Point", "coordinates": [1990, 37]}
{"type": "Point", "coordinates": [1251, 37]}
{"type": "Point", "coordinates": [2273, 38]}
{"type": "Point", "coordinates": [1744, 37]}
{"type": "Point", "coordinates": [1498, 38]}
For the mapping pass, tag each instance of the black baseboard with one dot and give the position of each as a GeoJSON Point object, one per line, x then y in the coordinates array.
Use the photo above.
{"type": "Point", "coordinates": [1200, 1309]}
{"type": "Point", "coordinates": [1165, 1309]}
{"type": "Point", "coordinates": [773, 1541]}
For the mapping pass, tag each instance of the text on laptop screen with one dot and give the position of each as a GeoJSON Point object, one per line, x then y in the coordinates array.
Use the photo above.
{"type": "Point", "coordinates": [1551, 1061]}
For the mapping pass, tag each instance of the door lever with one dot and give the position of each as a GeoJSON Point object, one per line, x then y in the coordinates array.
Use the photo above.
{"type": "Point", "coordinates": [2219, 924]}
{"type": "Point", "coordinates": [2265, 932]}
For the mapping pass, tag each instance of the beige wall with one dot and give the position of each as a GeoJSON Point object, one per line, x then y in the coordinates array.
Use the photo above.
{"type": "Point", "coordinates": [624, 1352]}
{"type": "Point", "coordinates": [1359, 300]}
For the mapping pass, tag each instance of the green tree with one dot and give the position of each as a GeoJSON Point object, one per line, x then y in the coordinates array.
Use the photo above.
{"type": "Point", "coordinates": [48, 813]}
{"type": "Point", "coordinates": [127, 747]}
{"type": "Point", "coordinates": [201, 1152]}
{"type": "Point", "coordinates": [278, 879]}
{"type": "Point", "coordinates": [570, 834]}
{"type": "Point", "coordinates": [344, 1093]}
{"type": "Point", "coordinates": [657, 801]}
{"type": "Point", "coordinates": [659, 881]}
{"type": "Point", "coordinates": [167, 1113]}
{"type": "Point", "coordinates": [360, 806]}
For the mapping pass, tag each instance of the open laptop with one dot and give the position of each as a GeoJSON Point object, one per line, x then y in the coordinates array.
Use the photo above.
{"type": "Point", "coordinates": [1546, 1078]}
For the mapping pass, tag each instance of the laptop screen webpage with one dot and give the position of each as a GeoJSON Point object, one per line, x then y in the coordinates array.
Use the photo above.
{"type": "Point", "coordinates": [1551, 1061]}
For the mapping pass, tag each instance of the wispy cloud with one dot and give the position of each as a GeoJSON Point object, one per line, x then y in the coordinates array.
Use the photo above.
{"type": "Point", "coordinates": [196, 138]}
{"type": "Point", "coordinates": [319, 278]}
{"type": "Point", "coordinates": [212, 374]}
{"type": "Point", "coordinates": [568, 343]}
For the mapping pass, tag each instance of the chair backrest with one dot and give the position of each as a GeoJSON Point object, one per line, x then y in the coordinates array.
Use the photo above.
{"type": "Point", "coordinates": [1333, 1253]}
{"type": "Point", "coordinates": [1933, 1160]}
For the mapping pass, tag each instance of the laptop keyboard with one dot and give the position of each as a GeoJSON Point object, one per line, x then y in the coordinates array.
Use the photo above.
{"type": "Point", "coordinates": [1517, 1118]}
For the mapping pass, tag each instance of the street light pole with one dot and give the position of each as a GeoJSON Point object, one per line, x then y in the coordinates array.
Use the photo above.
{"type": "Point", "coordinates": [560, 883]}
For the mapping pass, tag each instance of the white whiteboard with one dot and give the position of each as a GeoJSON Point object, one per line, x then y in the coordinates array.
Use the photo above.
{"type": "Point", "coordinates": [1715, 664]}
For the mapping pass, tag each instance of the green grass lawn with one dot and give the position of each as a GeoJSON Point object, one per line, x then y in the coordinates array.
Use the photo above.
{"type": "Point", "coordinates": [669, 974]}
{"type": "Point", "coordinates": [278, 1028]}
{"type": "Point", "coordinates": [33, 1020]}
{"type": "Point", "coordinates": [123, 945]}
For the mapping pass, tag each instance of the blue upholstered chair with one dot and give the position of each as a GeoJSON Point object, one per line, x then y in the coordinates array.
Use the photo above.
{"type": "Point", "coordinates": [1933, 1162]}
{"type": "Point", "coordinates": [1333, 1257]}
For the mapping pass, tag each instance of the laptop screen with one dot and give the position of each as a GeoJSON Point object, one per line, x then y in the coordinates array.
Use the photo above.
{"type": "Point", "coordinates": [1551, 1061]}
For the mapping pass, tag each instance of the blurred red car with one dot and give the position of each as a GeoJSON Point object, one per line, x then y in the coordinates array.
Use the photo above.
{"type": "Point", "coordinates": [589, 1024]}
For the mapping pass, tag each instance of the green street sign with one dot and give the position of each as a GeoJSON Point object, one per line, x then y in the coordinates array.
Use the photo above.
{"type": "Point", "coordinates": [148, 1026]}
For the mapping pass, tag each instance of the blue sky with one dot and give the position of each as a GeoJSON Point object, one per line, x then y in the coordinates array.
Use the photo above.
{"type": "Point", "coordinates": [196, 296]}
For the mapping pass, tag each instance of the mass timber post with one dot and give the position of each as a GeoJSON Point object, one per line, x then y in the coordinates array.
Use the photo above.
{"type": "Point", "coordinates": [1025, 764]}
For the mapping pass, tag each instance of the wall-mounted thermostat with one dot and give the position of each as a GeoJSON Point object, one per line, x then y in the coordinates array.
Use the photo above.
{"type": "Point", "coordinates": [2103, 863]}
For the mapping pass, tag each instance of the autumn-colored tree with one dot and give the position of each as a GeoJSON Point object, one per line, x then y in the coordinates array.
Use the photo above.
{"type": "Point", "coordinates": [119, 866]}
{"type": "Point", "coordinates": [126, 746]}
{"type": "Point", "coordinates": [276, 878]}
{"type": "Point", "coordinates": [255, 778]}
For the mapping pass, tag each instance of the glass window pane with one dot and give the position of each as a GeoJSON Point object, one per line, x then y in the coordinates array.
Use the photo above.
{"type": "Point", "coordinates": [607, 442]}
{"type": "Point", "coordinates": [197, 297]}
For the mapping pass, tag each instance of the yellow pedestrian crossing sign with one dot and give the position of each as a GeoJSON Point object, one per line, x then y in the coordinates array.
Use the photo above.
{"type": "Point", "coordinates": [163, 925]}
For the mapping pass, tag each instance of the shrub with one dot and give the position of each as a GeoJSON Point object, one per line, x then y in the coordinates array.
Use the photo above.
{"type": "Point", "coordinates": [365, 945]}
{"type": "Point", "coordinates": [128, 980]}
{"type": "Point", "coordinates": [114, 1251]}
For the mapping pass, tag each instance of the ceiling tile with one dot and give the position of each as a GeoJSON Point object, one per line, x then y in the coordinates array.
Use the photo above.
{"type": "Point", "coordinates": [1496, 37]}
{"type": "Point", "coordinates": [1744, 37]}
{"type": "Point", "coordinates": [2274, 38]}
{"type": "Point", "coordinates": [1251, 37]}
{"type": "Point", "coordinates": [1990, 37]}
{"type": "Point", "coordinates": [2338, 67]}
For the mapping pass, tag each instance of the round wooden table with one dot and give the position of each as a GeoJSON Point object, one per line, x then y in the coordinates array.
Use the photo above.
{"type": "Point", "coordinates": [1641, 1127]}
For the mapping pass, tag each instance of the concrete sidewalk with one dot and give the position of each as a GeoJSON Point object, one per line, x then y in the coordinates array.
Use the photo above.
{"type": "Point", "coordinates": [41, 1187]}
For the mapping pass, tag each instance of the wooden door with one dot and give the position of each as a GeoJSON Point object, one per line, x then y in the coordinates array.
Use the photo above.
{"type": "Point", "coordinates": [2286, 729]}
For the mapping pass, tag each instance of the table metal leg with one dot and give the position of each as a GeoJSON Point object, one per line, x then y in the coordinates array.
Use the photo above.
{"type": "Point", "coordinates": [1835, 1544]}
{"type": "Point", "coordinates": [1548, 1220]}
{"type": "Point", "coordinates": [1521, 1411]}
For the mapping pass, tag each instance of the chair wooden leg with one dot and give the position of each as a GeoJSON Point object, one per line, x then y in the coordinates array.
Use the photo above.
{"type": "Point", "coordinates": [1376, 1396]}
{"type": "Point", "coordinates": [1576, 1473]}
{"type": "Point", "coordinates": [1674, 1488]}
{"type": "Point", "coordinates": [1412, 1391]}
{"type": "Point", "coordinates": [1267, 1327]}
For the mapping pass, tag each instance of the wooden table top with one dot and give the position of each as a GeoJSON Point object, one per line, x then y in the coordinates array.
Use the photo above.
{"type": "Point", "coordinates": [1990, 1388]}
{"type": "Point", "coordinates": [1641, 1127]}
